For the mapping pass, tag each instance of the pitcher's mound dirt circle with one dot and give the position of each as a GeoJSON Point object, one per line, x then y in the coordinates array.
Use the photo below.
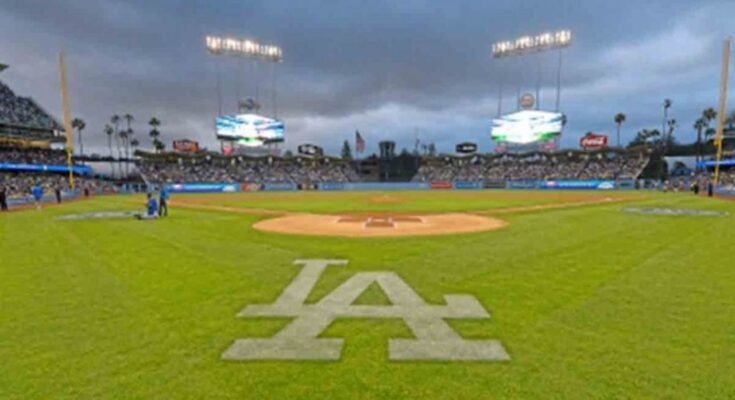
{"type": "Point", "coordinates": [379, 225]}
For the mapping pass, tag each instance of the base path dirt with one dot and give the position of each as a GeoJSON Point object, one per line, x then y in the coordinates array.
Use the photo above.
{"type": "Point", "coordinates": [379, 225]}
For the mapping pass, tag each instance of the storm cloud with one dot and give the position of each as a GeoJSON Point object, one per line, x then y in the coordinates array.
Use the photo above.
{"type": "Point", "coordinates": [391, 69]}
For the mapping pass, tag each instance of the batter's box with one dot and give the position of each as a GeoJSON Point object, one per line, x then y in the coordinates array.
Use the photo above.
{"type": "Point", "coordinates": [354, 220]}
{"type": "Point", "coordinates": [380, 222]}
{"type": "Point", "coordinates": [415, 220]}
{"type": "Point", "coordinates": [384, 221]}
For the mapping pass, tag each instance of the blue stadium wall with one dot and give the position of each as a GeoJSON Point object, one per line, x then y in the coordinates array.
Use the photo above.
{"type": "Point", "coordinates": [440, 185]}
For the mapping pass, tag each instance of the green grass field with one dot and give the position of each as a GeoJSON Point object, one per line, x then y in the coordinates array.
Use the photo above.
{"type": "Point", "coordinates": [589, 302]}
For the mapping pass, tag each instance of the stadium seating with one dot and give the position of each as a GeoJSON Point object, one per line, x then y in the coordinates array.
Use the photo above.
{"type": "Point", "coordinates": [536, 166]}
{"type": "Point", "coordinates": [17, 113]}
{"type": "Point", "coordinates": [244, 170]}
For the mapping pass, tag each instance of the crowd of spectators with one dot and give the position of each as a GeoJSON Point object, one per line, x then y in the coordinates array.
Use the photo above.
{"type": "Point", "coordinates": [238, 170]}
{"type": "Point", "coordinates": [702, 178]}
{"type": "Point", "coordinates": [23, 111]}
{"type": "Point", "coordinates": [32, 156]}
{"type": "Point", "coordinates": [20, 184]}
{"type": "Point", "coordinates": [534, 167]}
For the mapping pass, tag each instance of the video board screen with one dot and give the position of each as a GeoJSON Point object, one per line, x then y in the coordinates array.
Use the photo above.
{"type": "Point", "coordinates": [249, 129]}
{"type": "Point", "coordinates": [527, 126]}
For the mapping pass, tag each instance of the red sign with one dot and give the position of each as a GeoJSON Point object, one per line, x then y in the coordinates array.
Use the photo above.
{"type": "Point", "coordinates": [441, 185]}
{"type": "Point", "coordinates": [593, 141]}
{"type": "Point", "coordinates": [186, 146]}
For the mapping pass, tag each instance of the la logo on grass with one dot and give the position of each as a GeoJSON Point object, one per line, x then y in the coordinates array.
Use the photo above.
{"type": "Point", "coordinates": [299, 340]}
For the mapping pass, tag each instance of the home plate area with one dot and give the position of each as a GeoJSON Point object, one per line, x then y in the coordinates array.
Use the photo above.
{"type": "Point", "coordinates": [383, 221]}
{"type": "Point", "coordinates": [379, 225]}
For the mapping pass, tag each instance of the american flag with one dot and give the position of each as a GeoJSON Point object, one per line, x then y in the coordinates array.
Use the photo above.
{"type": "Point", "coordinates": [359, 142]}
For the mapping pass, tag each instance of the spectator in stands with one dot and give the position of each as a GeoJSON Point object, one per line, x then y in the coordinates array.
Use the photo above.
{"type": "Point", "coordinates": [534, 167]}
{"type": "Point", "coordinates": [238, 170]}
{"type": "Point", "coordinates": [23, 111]}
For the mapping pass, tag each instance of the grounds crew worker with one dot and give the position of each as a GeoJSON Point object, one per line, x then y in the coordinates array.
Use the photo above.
{"type": "Point", "coordinates": [3, 199]}
{"type": "Point", "coordinates": [163, 197]}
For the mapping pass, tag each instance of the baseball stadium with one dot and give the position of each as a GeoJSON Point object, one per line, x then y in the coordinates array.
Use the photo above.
{"type": "Point", "coordinates": [250, 261]}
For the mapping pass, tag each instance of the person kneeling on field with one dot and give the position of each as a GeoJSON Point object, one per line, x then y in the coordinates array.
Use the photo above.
{"type": "Point", "coordinates": [151, 208]}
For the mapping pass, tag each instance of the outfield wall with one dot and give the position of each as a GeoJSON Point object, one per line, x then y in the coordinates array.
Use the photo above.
{"type": "Point", "coordinates": [47, 198]}
{"type": "Point", "coordinates": [437, 185]}
{"type": "Point", "coordinates": [725, 191]}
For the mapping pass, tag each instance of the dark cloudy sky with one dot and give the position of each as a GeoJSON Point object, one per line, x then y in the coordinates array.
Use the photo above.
{"type": "Point", "coordinates": [387, 68]}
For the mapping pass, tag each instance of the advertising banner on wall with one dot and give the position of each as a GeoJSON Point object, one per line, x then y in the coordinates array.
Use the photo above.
{"type": "Point", "coordinates": [331, 186]}
{"type": "Point", "coordinates": [380, 186]}
{"type": "Point", "coordinates": [310, 150]}
{"type": "Point", "coordinates": [441, 185]}
{"type": "Point", "coordinates": [494, 184]}
{"type": "Point", "coordinates": [279, 186]}
{"type": "Point", "coordinates": [186, 146]}
{"type": "Point", "coordinates": [466, 148]}
{"type": "Point", "coordinates": [588, 184]}
{"type": "Point", "coordinates": [467, 184]}
{"type": "Point", "coordinates": [593, 141]}
{"type": "Point", "coordinates": [521, 184]}
{"type": "Point", "coordinates": [77, 169]}
{"type": "Point", "coordinates": [203, 187]}
{"type": "Point", "coordinates": [250, 187]}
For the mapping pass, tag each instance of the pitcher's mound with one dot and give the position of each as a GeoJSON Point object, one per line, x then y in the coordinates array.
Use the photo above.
{"type": "Point", "coordinates": [377, 225]}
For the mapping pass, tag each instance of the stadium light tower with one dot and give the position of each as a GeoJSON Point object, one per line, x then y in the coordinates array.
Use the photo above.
{"type": "Point", "coordinates": [532, 44]}
{"type": "Point", "coordinates": [244, 48]}
{"type": "Point", "coordinates": [528, 44]}
{"type": "Point", "coordinates": [229, 46]}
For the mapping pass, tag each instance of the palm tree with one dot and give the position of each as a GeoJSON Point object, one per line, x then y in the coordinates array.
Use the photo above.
{"type": "Point", "coordinates": [129, 137]}
{"type": "Point", "coordinates": [619, 119]}
{"type": "Point", "coordinates": [154, 133]}
{"type": "Point", "coordinates": [159, 145]}
{"type": "Point", "coordinates": [126, 138]}
{"type": "Point", "coordinates": [667, 105]}
{"type": "Point", "coordinates": [129, 119]}
{"type": "Point", "coordinates": [115, 119]}
{"type": "Point", "coordinates": [134, 143]}
{"type": "Point", "coordinates": [669, 137]}
{"type": "Point", "coordinates": [154, 122]}
{"type": "Point", "coordinates": [109, 132]}
{"type": "Point", "coordinates": [79, 125]}
{"type": "Point", "coordinates": [699, 125]}
{"type": "Point", "coordinates": [709, 114]}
